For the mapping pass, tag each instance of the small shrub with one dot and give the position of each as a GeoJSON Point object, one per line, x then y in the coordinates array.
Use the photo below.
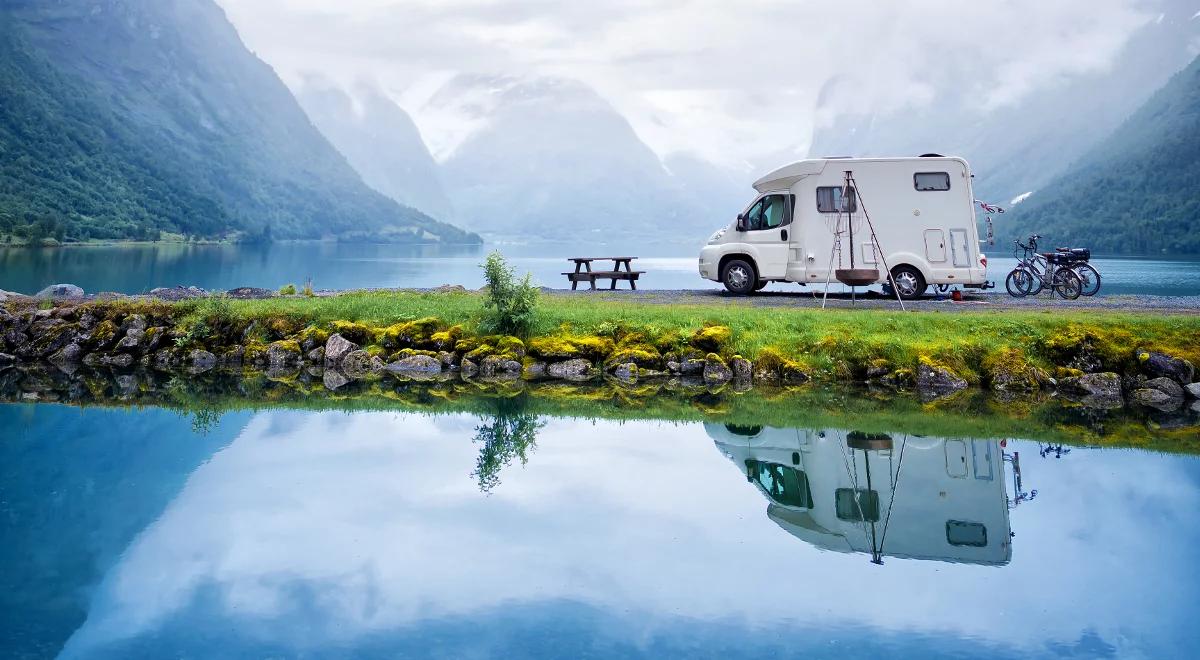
{"type": "Point", "coordinates": [289, 290]}
{"type": "Point", "coordinates": [308, 290]}
{"type": "Point", "coordinates": [510, 306]}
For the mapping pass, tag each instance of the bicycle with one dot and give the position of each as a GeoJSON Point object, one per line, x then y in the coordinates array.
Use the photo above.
{"type": "Point", "coordinates": [1036, 271]}
{"type": "Point", "coordinates": [1078, 260]}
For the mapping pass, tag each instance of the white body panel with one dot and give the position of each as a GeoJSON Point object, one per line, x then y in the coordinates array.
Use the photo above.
{"type": "Point", "coordinates": [941, 483]}
{"type": "Point", "coordinates": [931, 230]}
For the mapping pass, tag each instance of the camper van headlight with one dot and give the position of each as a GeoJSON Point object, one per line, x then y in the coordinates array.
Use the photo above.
{"type": "Point", "coordinates": [717, 236]}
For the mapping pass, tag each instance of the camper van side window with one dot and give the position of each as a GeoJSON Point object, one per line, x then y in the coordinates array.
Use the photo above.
{"type": "Point", "coordinates": [829, 198]}
{"type": "Point", "coordinates": [959, 532]}
{"type": "Point", "coordinates": [769, 212]}
{"type": "Point", "coordinates": [925, 181]}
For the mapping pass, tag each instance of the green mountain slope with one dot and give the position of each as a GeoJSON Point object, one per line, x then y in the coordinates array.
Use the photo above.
{"type": "Point", "coordinates": [119, 119]}
{"type": "Point", "coordinates": [1138, 192]}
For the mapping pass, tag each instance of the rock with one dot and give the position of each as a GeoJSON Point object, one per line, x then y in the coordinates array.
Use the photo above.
{"type": "Point", "coordinates": [126, 385]}
{"type": "Point", "coordinates": [283, 354]}
{"type": "Point", "coordinates": [416, 364]}
{"type": "Point", "coordinates": [716, 371]}
{"type": "Point", "coordinates": [451, 288]}
{"type": "Point", "coordinates": [691, 367]}
{"type": "Point", "coordinates": [177, 293]}
{"type": "Point", "coordinates": [743, 370]}
{"type": "Point", "coordinates": [60, 291]}
{"type": "Point", "coordinates": [674, 368]}
{"type": "Point", "coordinates": [577, 369]}
{"type": "Point", "coordinates": [165, 360]}
{"type": "Point", "coordinates": [122, 360]}
{"type": "Point", "coordinates": [534, 370]}
{"type": "Point", "coordinates": [1166, 386]}
{"type": "Point", "coordinates": [7, 360]}
{"type": "Point", "coordinates": [1156, 399]}
{"type": "Point", "coordinates": [494, 366]}
{"type": "Point", "coordinates": [1105, 384]}
{"type": "Point", "coordinates": [200, 360]}
{"type": "Point", "coordinates": [1192, 389]}
{"type": "Point", "coordinates": [130, 342]}
{"type": "Point", "coordinates": [1160, 364]}
{"type": "Point", "coordinates": [317, 355]}
{"type": "Point", "coordinates": [359, 364]}
{"type": "Point", "coordinates": [68, 356]}
{"type": "Point", "coordinates": [468, 368]}
{"type": "Point", "coordinates": [627, 372]}
{"type": "Point", "coordinates": [232, 357]}
{"type": "Point", "coordinates": [249, 292]}
{"type": "Point", "coordinates": [938, 380]}
{"type": "Point", "coordinates": [333, 379]}
{"type": "Point", "coordinates": [133, 322]}
{"type": "Point", "coordinates": [15, 339]}
{"type": "Point", "coordinates": [878, 369]}
{"type": "Point", "coordinates": [337, 348]}
{"type": "Point", "coordinates": [446, 358]}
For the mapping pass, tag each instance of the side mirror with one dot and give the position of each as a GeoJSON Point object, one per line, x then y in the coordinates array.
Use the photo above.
{"type": "Point", "coordinates": [741, 222]}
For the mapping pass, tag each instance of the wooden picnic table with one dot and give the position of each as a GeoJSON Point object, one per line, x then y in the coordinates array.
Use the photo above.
{"type": "Point", "coordinates": [622, 270]}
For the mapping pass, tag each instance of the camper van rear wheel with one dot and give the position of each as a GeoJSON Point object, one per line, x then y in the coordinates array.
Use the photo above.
{"type": "Point", "coordinates": [910, 283]}
{"type": "Point", "coordinates": [739, 276]}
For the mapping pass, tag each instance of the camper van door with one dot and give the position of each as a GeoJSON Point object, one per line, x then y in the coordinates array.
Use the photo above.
{"type": "Point", "coordinates": [768, 224]}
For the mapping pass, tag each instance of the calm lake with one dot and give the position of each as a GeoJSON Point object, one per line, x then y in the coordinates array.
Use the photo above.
{"type": "Point", "coordinates": [147, 533]}
{"type": "Point", "coordinates": [139, 268]}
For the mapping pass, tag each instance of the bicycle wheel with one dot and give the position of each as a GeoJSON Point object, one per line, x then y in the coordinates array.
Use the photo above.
{"type": "Point", "coordinates": [1089, 279]}
{"type": "Point", "coordinates": [1018, 282]}
{"type": "Point", "coordinates": [1066, 284]}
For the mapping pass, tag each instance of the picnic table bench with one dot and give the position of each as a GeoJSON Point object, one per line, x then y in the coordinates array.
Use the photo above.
{"type": "Point", "coordinates": [583, 272]}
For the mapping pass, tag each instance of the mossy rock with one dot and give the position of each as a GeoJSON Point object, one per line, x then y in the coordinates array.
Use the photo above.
{"type": "Point", "coordinates": [445, 340]}
{"type": "Point", "coordinates": [772, 365]}
{"type": "Point", "coordinates": [480, 351]}
{"type": "Point", "coordinates": [256, 352]}
{"type": "Point", "coordinates": [643, 355]}
{"type": "Point", "coordinates": [711, 338]}
{"type": "Point", "coordinates": [409, 333]}
{"type": "Point", "coordinates": [282, 326]}
{"type": "Point", "coordinates": [375, 350]}
{"type": "Point", "coordinates": [1010, 370]}
{"type": "Point", "coordinates": [566, 347]}
{"type": "Point", "coordinates": [312, 335]}
{"type": "Point", "coordinates": [104, 334]}
{"type": "Point", "coordinates": [359, 333]}
{"type": "Point", "coordinates": [410, 352]}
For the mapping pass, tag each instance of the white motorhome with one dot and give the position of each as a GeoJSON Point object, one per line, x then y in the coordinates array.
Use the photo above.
{"type": "Point", "coordinates": [922, 209]}
{"type": "Point", "coordinates": [946, 501]}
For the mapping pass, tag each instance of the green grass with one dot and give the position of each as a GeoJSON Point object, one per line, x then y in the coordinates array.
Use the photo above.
{"type": "Point", "coordinates": [826, 341]}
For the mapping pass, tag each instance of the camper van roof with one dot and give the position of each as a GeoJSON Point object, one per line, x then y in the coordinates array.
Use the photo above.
{"type": "Point", "coordinates": [785, 177]}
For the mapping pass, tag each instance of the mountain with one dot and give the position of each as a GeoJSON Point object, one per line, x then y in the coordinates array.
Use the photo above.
{"type": "Point", "coordinates": [1139, 190]}
{"type": "Point", "coordinates": [1018, 148]}
{"type": "Point", "coordinates": [549, 159]}
{"type": "Point", "coordinates": [381, 142]}
{"type": "Point", "coordinates": [128, 117]}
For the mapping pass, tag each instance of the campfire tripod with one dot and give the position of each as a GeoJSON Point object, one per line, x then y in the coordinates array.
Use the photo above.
{"type": "Point", "coordinates": [852, 276]}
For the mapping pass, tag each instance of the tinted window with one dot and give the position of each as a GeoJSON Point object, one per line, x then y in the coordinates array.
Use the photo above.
{"type": "Point", "coordinates": [748, 431]}
{"type": "Point", "coordinates": [768, 213]}
{"type": "Point", "coordinates": [829, 199]}
{"type": "Point", "coordinates": [931, 181]}
{"type": "Point", "coordinates": [857, 505]}
{"type": "Point", "coordinates": [966, 533]}
{"type": "Point", "coordinates": [782, 484]}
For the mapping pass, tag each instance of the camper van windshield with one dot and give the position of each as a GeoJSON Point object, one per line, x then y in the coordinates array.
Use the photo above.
{"type": "Point", "coordinates": [767, 213]}
{"type": "Point", "coordinates": [783, 484]}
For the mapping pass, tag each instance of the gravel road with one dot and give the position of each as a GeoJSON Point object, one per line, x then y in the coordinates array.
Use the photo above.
{"type": "Point", "coordinates": [972, 302]}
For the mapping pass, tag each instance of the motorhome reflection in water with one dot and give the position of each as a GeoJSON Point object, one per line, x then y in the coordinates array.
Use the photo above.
{"type": "Point", "coordinates": [904, 496]}
{"type": "Point", "coordinates": [922, 211]}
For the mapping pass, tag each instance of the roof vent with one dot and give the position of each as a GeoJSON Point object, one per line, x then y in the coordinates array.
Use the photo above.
{"type": "Point", "coordinates": [932, 156]}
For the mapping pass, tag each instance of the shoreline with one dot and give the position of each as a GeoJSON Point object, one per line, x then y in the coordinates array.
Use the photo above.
{"type": "Point", "coordinates": [1103, 359]}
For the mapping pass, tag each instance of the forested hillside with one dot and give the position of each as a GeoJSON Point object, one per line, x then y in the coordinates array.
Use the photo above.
{"type": "Point", "coordinates": [124, 119]}
{"type": "Point", "coordinates": [1138, 192]}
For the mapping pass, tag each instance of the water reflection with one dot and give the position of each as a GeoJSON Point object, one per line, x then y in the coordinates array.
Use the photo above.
{"type": "Point", "coordinates": [368, 535]}
{"type": "Point", "coordinates": [909, 496]}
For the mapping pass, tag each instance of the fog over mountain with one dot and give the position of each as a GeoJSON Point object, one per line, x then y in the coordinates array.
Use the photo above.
{"type": "Point", "coordinates": [380, 140]}
{"type": "Point", "coordinates": [1015, 147]}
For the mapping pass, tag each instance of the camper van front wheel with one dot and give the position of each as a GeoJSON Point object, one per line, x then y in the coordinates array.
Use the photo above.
{"type": "Point", "coordinates": [910, 283]}
{"type": "Point", "coordinates": [739, 277]}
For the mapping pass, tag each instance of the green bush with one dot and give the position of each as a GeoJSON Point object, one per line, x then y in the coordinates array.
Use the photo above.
{"type": "Point", "coordinates": [509, 306]}
{"type": "Point", "coordinates": [289, 290]}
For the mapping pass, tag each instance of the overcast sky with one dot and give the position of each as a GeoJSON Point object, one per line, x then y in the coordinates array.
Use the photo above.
{"type": "Point", "coordinates": [727, 80]}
